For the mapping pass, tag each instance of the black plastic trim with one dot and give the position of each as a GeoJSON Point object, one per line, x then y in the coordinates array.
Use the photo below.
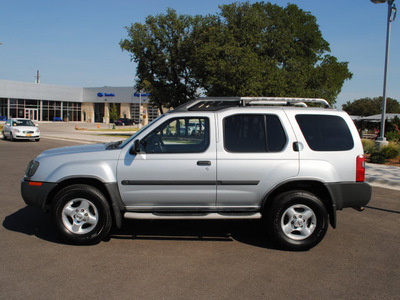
{"type": "Point", "coordinates": [36, 195]}
{"type": "Point", "coordinates": [188, 182]}
{"type": "Point", "coordinates": [350, 194]}
{"type": "Point", "coordinates": [116, 202]}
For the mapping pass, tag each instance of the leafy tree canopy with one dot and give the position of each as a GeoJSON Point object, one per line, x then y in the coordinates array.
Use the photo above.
{"type": "Point", "coordinates": [258, 49]}
{"type": "Point", "coordinates": [367, 107]}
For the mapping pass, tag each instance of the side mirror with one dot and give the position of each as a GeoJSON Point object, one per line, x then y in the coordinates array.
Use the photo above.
{"type": "Point", "coordinates": [135, 148]}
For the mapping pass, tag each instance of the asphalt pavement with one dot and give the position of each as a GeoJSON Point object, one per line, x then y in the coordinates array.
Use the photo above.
{"type": "Point", "coordinates": [220, 259]}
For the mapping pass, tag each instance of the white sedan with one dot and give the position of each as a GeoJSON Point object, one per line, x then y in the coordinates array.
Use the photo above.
{"type": "Point", "coordinates": [24, 129]}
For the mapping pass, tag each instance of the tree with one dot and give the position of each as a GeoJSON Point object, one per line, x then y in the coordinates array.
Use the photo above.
{"type": "Point", "coordinates": [114, 114]}
{"type": "Point", "coordinates": [162, 47]}
{"type": "Point", "coordinates": [262, 49]}
{"type": "Point", "coordinates": [247, 49]}
{"type": "Point", "coordinates": [367, 107]}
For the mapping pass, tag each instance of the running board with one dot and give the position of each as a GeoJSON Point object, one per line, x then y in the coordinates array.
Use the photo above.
{"type": "Point", "coordinates": [209, 216]}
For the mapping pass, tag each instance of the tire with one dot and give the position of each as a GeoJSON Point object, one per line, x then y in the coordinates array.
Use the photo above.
{"type": "Point", "coordinates": [82, 214]}
{"type": "Point", "coordinates": [37, 140]}
{"type": "Point", "coordinates": [4, 136]}
{"type": "Point", "coordinates": [11, 137]}
{"type": "Point", "coordinates": [297, 220]}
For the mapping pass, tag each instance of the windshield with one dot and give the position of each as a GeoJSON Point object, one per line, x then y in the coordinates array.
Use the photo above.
{"type": "Point", "coordinates": [22, 123]}
{"type": "Point", "coordinates": [139, 132]}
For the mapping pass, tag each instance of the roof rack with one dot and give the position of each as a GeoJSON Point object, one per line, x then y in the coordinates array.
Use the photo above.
{"type": "Point", "coordinates": [218, 103]}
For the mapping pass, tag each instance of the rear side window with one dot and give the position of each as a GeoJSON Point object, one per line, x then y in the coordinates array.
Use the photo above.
{"type": "Point", "coordinates": [325, 133]}
{"type": "Point", "coordinates": [253, 133]}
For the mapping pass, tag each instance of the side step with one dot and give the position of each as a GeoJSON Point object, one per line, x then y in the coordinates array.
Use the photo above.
{"type": "Point", "coordinates": [209, 216]}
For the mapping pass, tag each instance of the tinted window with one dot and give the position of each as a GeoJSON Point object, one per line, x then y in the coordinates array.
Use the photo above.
{"type": "Point", "coordinates": [179, 135]}
{"type": "Point", "coordinates": [253, 133]}
{"type": "Point", "coordinates": [325, 133]}
{"type": "Point", "coordinates": [276, 137]}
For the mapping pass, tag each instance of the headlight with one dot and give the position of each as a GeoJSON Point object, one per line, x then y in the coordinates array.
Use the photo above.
{"type": "Point", "coordinates": [31, 169]}
{"type": "Point", "coordinates": [37, 131]}
{"type": "Point", "coordinates": [16, 130]}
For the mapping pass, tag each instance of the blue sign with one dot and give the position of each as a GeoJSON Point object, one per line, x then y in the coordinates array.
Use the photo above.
{"type": "Point", "coordinates": [143, 95]}
{"type": "Point", "coordinates": [105, 95]}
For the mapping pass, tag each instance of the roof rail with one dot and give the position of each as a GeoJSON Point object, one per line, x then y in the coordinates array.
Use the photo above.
{"type": "Point", "coordinates": [218, 103]}
{"type": "Point", "coordinates": [285, 101]}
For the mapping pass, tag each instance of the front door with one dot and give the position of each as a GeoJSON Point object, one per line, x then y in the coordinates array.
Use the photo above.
{"type": "Point", "coordinates": [176, 166]}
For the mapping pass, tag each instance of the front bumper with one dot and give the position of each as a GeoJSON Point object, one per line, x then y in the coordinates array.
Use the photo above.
{"type": "Point", "coordinates": [350, 194]}
{"type": "Point", "coordinates": [22, 136]}
{"type": "Point", "coordinates": [35, 194]}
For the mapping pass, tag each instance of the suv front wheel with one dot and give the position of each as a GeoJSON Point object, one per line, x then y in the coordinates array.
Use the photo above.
{"type": "Point", "coordinates": [82, 214]}
{"type": "Point", "coordinates": [297, 220]}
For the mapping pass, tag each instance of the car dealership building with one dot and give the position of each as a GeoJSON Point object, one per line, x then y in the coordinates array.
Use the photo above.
{"type": "Point", "coordinates": [45, 102]}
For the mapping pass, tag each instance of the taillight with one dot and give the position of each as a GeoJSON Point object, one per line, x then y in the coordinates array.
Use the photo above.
{"type": "Point", "coordinates": [360, 168]}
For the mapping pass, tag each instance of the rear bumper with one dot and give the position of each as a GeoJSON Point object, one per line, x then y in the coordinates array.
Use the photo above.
{"type": "Point", "coordinates": [353, 194]}
{"type": "Point", "coordinates": [36, 195]}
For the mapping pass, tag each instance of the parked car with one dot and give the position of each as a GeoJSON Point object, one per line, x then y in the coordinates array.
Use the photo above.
{"type": "Point", "coordinates": [124, 121]}
{"type": "Point", "coordinates": [20, 129]}
{"type": "Point", "coordinates": [293, 167]}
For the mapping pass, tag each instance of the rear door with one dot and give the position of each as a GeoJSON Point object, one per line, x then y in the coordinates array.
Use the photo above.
{"type": "Point", "coordinates": [255, 154]}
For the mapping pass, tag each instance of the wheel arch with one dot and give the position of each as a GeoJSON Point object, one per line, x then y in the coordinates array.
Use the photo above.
{"type": "Point", "coordinates": [109, 190]}
{"type": "Point", "coordinates": [315, 187]}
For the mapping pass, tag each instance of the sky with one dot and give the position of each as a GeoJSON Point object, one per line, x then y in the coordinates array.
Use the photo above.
{"type": "Point", "coordinates": [76, 43]}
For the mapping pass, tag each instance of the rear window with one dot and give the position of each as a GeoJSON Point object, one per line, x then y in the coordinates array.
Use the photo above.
{"type": "Point", "coordinates": [325, 133]}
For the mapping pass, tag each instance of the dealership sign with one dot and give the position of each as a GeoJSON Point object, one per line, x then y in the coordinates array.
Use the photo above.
{"type": "Point", "coordinates": [105, 95]}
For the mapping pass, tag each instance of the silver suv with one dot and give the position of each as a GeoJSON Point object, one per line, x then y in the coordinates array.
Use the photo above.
{"type": "Point", "coordinates": [273, 159]}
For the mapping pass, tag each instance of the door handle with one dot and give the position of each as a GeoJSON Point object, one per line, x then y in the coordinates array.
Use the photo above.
{"type": "Point", "coordinates": [297, 146]}
{"type": "Point", "coordinates": [204, 163]}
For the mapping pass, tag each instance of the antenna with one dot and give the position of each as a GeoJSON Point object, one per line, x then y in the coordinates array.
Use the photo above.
{"type": "Point", "coordinates": [37, 77]}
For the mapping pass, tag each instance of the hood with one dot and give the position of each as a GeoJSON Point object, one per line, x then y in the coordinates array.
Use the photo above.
{"type": "Point", "coordinates": [25, 128]}
{"type": "Point", "coordinates": [74, 150]}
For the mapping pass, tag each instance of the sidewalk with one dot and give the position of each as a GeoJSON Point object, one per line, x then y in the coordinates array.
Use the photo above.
{"type": "Point", "coordinates": [84, 132]}
{"type": "Point", "coordinates": [383, 176]}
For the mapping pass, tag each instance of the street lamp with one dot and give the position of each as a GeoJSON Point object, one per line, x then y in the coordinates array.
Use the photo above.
{"type": "Point", "coordinates": [381, 140]}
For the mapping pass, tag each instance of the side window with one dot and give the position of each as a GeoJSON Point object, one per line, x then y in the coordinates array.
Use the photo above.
{"type": "Point", "coordinates": [276, 137]}
{"type": "Point", "coordinates": [178, 135]}
{"type": "Point", "coordinates": [325, 133]}
{"type": "Point", "coordinates": [253, 133]}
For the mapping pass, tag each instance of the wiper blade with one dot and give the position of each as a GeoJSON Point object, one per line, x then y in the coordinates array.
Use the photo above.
{"type": "Point", "coordinates": [113, 145]}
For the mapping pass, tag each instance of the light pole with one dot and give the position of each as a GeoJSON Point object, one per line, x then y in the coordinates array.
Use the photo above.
{"type": "Point", "coordinates": [381, 140]}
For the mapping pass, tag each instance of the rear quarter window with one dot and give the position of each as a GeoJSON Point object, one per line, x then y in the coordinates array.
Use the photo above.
{"type": "Point", "coordinates": [325, 132]}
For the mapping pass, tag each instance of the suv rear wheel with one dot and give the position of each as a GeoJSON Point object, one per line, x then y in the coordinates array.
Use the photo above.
{"type": "Point", "coordinates": [82, 214]}
{"type": "Point", "coordinates": [297, 220]}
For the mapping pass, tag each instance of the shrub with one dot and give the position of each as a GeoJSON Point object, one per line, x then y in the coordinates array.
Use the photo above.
{"type": "Point", "coordinates": [393, 136]}
{"type": "Point", "coordinates": [369, 146]}
{"type": "Point", "coordinates": [377, 158]}
{"type": "Point", "coordinates": [390, 151]}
